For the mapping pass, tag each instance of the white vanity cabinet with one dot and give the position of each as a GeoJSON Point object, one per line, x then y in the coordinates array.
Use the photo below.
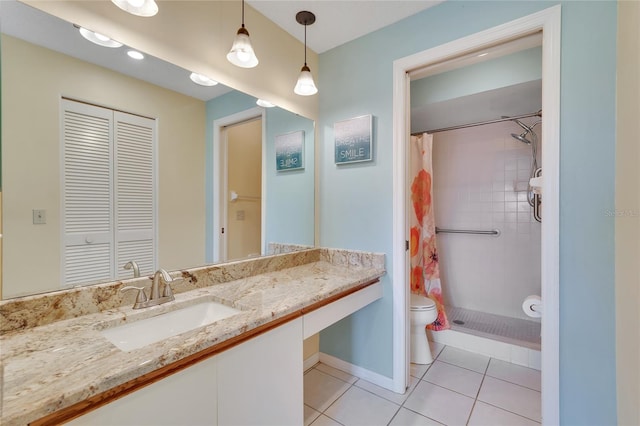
{"type": "Point", "coordinates": [188, 397]}
{"type": "Point", "coordinates": [258, 382]}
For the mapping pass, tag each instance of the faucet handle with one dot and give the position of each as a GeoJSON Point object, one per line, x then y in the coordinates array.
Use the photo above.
{"type": "Point", "coordinates": [168, 291]}
{"type": "Point", "coordinates": [168, 280]}
{"type": "Point", "coordinates": [141, 297]}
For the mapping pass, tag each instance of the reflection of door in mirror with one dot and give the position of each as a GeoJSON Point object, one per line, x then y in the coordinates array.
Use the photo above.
{"type": "Point", "coordinates": [108, 200]}
{"type": "Point", "coordinates": [243, 145]}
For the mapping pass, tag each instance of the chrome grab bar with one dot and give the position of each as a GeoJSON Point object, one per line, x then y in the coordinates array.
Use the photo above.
{"type": "Point", "coordinates": [495, 232]}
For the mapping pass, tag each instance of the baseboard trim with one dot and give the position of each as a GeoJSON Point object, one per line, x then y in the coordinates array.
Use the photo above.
{"type": "Point", "coordinates": [481, 345]}
{"type": "Point", "coordinates": [311, 361]}
{"type": "Point", "coordinates": [354, 370]}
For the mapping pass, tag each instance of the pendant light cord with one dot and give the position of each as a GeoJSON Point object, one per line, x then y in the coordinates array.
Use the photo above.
{"type": "Point", "coordinates": [305, 44]}
{"type": "Point", "coordinates": [242, 13]}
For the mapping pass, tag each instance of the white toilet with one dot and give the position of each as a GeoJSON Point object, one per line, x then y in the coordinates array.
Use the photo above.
{"type": "Point", "coordinates": [423, 312]}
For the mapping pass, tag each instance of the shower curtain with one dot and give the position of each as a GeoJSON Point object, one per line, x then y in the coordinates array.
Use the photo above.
{"type": "Point", "coordinates": [425, 273]}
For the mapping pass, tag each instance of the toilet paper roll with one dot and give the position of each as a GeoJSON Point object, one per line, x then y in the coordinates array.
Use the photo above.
{"type": "Point", "coordinates": [532, 306]}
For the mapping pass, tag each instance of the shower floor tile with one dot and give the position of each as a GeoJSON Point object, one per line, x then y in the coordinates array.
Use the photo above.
{"type": "Point", "coordinates": [506, 329]}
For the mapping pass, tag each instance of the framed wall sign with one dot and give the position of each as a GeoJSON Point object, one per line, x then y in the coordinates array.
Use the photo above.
{"type": "Point", "coordinates": [353, 142]}
{"type": "Point", "coordinates": [290, 151]}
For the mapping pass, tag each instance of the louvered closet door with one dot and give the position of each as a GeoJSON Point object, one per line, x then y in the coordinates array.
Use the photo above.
{"type": "Point", "coordinates": [134, 193]}
{"type": "Point", "coordinates": [87, 235]}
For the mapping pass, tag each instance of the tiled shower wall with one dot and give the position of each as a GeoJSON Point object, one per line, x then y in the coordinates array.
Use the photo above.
{"type": "Point", "coordinates": [480, 182]}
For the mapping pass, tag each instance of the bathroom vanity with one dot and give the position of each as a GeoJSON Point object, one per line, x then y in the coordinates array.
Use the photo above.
{"type": "Point", "coordinates": [247, 368]}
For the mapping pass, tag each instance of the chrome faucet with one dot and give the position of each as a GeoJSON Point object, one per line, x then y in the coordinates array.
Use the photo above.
{"type": "Point", "coordinates": [133, 264]}
{"type": "Point", "coordinates": [161, 275]}
{"type": "Point", "coordinates": [142, 301]}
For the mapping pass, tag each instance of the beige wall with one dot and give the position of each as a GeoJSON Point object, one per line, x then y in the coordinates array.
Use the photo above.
{"type": "Point", "coordinates": [628, 211]}
{"type": "Point", "coordinates": [311, 346]}
{"type": "Point", "coordinates": [197, 35]}
{"type": "Point", "coordinates": [244, 176]}
{"type": "Point", "coordinates": [33, 80]}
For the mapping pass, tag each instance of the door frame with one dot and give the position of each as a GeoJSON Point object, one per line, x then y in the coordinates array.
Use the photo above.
{"type": "Point", "coordinates": [549, 22]}
{"type": "Point", "coordinates": [220, 188]}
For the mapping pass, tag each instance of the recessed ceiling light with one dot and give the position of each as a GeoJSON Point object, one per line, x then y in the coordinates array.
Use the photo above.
{"type": "Point", "coordinates": [483, 54]}
{"type": "Point", "coordinates": [202, 80]}
{"type": "Point", "coordinates": [264, 104]}
{"type": "Point", "coordinates": [97, 38]}
{"type": "Point", "coordinates": [144, 8]}
{"type": "Point", "coordinates": [135, 54]}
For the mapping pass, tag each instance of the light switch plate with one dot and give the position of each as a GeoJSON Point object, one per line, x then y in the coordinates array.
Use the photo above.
{"type": "Point", "coordinates": [39, 217]}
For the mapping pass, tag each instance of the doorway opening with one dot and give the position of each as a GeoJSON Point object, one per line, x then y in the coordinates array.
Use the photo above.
{"type": "Point", "coordinates": [487, 226]}
{"type": "Point", "coordinates": [548, 23]}
{"type": "Point", "coordinates": [239, 186]}
{"type": "Point", "coordinates": [243, 217]}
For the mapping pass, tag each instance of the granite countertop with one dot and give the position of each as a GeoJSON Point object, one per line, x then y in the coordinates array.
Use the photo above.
{"type": "Point", "coordinates": [49, 367]}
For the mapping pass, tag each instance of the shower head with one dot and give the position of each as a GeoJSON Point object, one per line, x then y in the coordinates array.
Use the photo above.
{"type": "Point", "coordinates": [521, 137]}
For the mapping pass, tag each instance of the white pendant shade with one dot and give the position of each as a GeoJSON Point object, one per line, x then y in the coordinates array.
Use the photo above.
{"type": "Point", "coordinates": [305, 85]}
{"type": "Point", "coordinates": [241, 53]}
{"type": "Point", "coordinates": [144, 8]}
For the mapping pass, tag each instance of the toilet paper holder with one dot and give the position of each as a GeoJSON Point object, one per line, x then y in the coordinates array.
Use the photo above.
{"type": "Point", "coordinates": [532, 306]}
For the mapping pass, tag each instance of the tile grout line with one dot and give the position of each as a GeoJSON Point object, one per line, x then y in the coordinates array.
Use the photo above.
{"type": "Point", "coordinates": [339, 396]}
{"type": "Point", "coordinates": [413, 390]}
{"type": "Point", "coordinates": [475, 400]}
{"type": "Point", "coordinates": [513, 383]}
{"type": "Point", "coordinates": [509, 411]}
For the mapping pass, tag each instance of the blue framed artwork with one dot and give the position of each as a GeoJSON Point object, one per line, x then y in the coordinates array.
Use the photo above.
{"type": "Point", "coordinates": [290, 151]}
{"type": "Point", "coordinates": [353, 140]}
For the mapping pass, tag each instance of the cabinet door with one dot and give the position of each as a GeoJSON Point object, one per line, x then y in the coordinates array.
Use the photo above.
{"type": "Point", "coordinates": [185, 398]}
{"type": "Point", "coordinates": [87, 237]}
{"type": "Point", "coordinates": [260, 382]}
{"type": "Point", "coordinates": [134, 193]}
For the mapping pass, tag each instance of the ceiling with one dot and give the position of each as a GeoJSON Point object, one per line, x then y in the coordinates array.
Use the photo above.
{"type": "Point", "coordinates": [37, 27]}
{"type": "Point", "coordinates": [337, 21]}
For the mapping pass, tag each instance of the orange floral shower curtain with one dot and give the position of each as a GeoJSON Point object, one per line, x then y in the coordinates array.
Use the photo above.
{"type": "Point", "coordinates": [425, 273]}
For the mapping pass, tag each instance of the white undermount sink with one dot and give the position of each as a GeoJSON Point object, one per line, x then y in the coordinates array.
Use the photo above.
{"type": "Point", "coordinates": [141, 333]}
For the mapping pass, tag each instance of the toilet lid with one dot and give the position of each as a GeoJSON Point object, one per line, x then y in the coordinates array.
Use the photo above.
{"type": "Point", "coordinates": [421, 303]}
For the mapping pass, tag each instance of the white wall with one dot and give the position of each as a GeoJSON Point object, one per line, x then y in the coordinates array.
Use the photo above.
{"type": "Point", "coordinates": [33, 80]}
{"type": "Point", "coordinates": [480, 182]}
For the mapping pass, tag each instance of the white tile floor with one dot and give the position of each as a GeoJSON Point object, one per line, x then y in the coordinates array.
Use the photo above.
{"type": "Point", "coordinates": [458, 388]}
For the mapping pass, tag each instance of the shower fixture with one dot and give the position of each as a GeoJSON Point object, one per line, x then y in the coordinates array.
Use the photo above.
{"type": "Point", "coordinates": [521, 137]}
{"type": "Point", "coordinates": [532, 197]}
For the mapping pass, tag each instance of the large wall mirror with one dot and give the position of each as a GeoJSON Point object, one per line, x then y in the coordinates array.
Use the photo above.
{"type": "Point", "coordinates": [106, 159]}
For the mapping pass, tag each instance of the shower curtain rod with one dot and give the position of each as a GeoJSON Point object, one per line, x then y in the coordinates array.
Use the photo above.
{"type": "Point", "coordinates": [480, 123]}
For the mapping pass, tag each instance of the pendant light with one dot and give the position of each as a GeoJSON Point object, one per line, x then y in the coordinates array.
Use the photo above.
{"type": "Point", "coordinates": [305, 85]}
{"type": "Point", "coordinates": [241, 53]}
{"type": "Point", "coordinates": [144, 8]}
